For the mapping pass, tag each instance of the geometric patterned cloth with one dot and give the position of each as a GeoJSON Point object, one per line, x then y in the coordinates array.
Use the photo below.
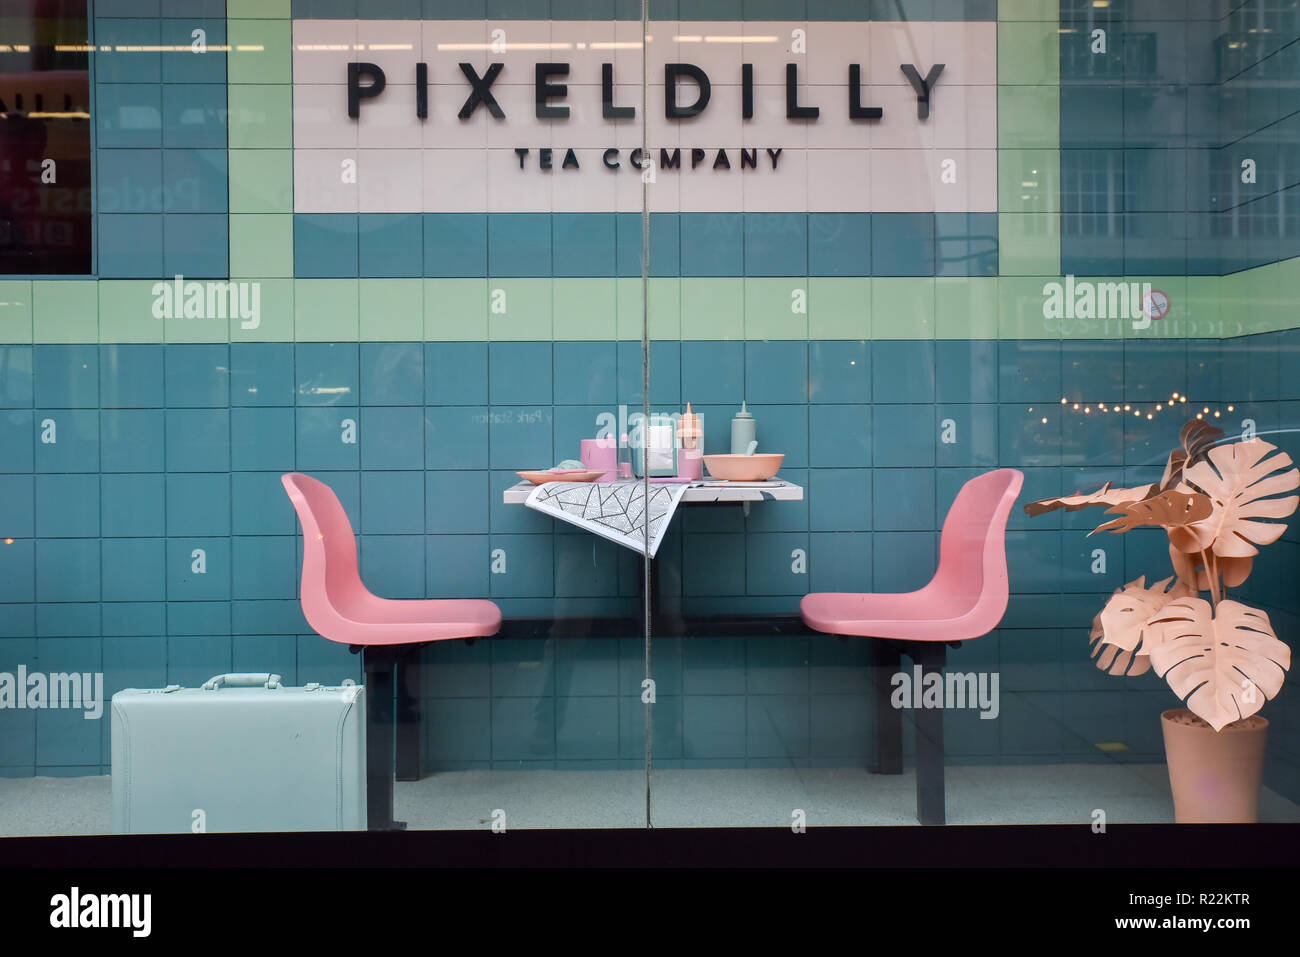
{"type": "Point", "coordinates": [613, 510]}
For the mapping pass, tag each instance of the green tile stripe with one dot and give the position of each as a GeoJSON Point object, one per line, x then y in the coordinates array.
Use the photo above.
{"type": "Point", "coordinates": [65, 311]}
{"type": "Point", "coordinates": [1008, 306]}
{"type": "Point", "coordinates": [260, 151]}
{"type": "Point", "coordinates": [1029, 138]}
{"type": "Point", "coordinates": [261, 244]}
{"type": "Point", "coordinates": [796, 308]}
{"type": "Point", "coordinates": [254, 9]}
{"type": "Point", "coordinates": [1262, 299]}
{"type": "Point", "coordinates": [1014, 10]}
{"type": "Point", "coordinates": [261, 51]}
{"type": "Point", "coordinates": [15, 311]}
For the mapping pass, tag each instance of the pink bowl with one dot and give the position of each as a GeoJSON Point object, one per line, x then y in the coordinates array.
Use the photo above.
{"type": "Point", "coordinates": [744, 468]}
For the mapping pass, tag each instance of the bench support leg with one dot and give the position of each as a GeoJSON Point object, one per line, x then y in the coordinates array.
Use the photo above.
{"type": "Point", "coordinates": [930, 655]}
{"type": "Point", "coordinates": [889, 720]}
{"type": "Point", "coordinates": [379, 664]}
{"type": "Point", "coordinates": [409, 759]}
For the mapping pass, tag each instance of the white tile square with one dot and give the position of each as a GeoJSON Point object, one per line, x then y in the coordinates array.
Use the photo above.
{"type": "Point", "coordinates": [716, 47]}
{"type": "Point", "coordinates": [950, 197]}
{"type": "Point", "coordinates": [896, 43]}
{"type": "Point", "coordinates": [394, 45]}
{"type": "Point", "coordinates": [521, 127]}
{"type": "Point", "coordinates": [899, 127]}
{"type": "Point", "coordinates": [976, 189]}
{"type": "Point", "coordinates": [832, 47]}
{"type": "Point", "coordinates": [969, 52]}
{"type": "Point", "coordinates": [448, 43]}
{"type": "Point", "coordinates": [964, 117]}
{"type": "Point", "coordinates": [687, 95]}
{"type": "Point", "coordinates": [444, 129]}
{"type": "Point", "coordinates": [318, 181]}
{"type": "Point", "coordinates": [620, 131]}
{"type": "Point", "coordinates": [525, 44]}
{"type": "Point", "coordinates": [320, 117]}
{"type": "Point", "coordinates": [454, 181]}
{"type": "Point", "coordinates": [661, 45]}
{"type": "Point", "coordinates": [574, 41]}
{"type": "Point", "coordinates": [627, 186]}
{"type": "Point", "coordinates": [627, 50]}
{"type": "Point", "coordinates": [783, 190]}
{"type": "Point", "coordinates": [665, 193]}
{"type": "Point", "coordinates": [511, 189]}
{"type": "Point", "coordinates": [719, 125]}
{"type": "Point", "coordinates": [768, 46]}
{"type": "Point", "coordinates": [585, 125]}
{"type": "Point", "coordinates": [322, 50]}
{"type": "Point", "coordinates": [564, 91]}
{"type": "Point", "coordinates": [627, 132]}
{"type": "Point", "coordinates": [901, 181]}
{"type": "Point", "coordinates": [390, 181]}
{"type": "Point", "coordinates": [706, 190]}
{"type": "Point", "coordinates": [834, 129]}
{"type": "Point", "coordinates": [832, 103]}
{"type": "Point", "coordinates": [839, 181]}
{"type": "Point", "coordinates": [770, 127]}
{"type": "Point", "coordinates": [591, 189]}
{"type": "Point", "coordinates": [389, 121]}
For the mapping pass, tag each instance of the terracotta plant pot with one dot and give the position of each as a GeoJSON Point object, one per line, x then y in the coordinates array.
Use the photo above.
{"type": "Point", "coordinates": [1216, 776]}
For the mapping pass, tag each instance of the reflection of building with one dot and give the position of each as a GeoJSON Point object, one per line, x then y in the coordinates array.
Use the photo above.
{"type": "Point", "coordinates": [1178, 140]}
{"type": "Point", "coordinates": [61, 94]}
{"type": "Point", "coordinates": [45, 162]}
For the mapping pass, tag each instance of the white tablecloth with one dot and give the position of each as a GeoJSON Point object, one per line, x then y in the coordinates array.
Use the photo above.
{"type": "Point", "coordinates": [613, 510]}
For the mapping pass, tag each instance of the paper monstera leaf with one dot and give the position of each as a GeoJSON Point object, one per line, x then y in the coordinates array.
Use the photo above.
{"type": "Point", "coordinates": [1189, 567]}
{"type": "Point", "coordinates": [1168, 509]}
{"type": "Point", "coordinates": [1114, 660]}
{"type": "Point", "coordinates": [1124, 631]}
{"type": "Point", "coordinates": [1196, 438]}
{"type": "Point", "coordinates": [1103, 496]}
{"type": "Point", "coordinates": [1225, 662]}
{"type": "Point", "coordinates": [1244, 481]}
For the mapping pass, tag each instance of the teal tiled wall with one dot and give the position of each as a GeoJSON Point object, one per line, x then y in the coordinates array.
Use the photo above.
{"type": "Point", "coordinates": [595, 245]}
{"type": "Point", "coordinates": [160, 139]}
{"type": "Point", "coordinates": [1161, 104]}
{"type": "Point", "coordinates": [163, 450]}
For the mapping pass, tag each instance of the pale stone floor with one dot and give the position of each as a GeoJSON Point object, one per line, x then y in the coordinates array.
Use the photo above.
{"type": "Point", "coordinates": [1022, 794]}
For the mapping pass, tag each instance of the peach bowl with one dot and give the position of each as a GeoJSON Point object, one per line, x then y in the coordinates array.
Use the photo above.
{"type": "Point", "coordinates": [564, 475]}
{"type": "Point", "coordinates": [744, 468]}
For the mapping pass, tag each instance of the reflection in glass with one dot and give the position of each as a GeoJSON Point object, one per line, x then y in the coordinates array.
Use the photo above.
{"type": "Point", "coordinates": [45, 208]}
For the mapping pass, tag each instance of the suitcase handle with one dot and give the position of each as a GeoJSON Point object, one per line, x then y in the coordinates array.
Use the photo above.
{"type": "Point", "coordinates": [248, 680]}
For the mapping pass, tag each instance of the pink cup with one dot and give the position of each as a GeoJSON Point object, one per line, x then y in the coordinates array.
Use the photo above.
{"type": "Point", "coordinates": [599, 457]}
{"type": "Point", "coordinates": [690, 464]}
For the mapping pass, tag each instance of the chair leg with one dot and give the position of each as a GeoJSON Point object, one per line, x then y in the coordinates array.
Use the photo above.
{"type": "Point", "coordinates": [889, 720]}
{"type": "Point", "coordinates": [409, 764]}
{"type": "Point", "coordinates": [930, 655]}
{"type": "Point", "coordinates": [379, 666]}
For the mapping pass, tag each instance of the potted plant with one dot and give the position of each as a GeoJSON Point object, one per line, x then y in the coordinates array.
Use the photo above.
{"type": "Point", "coordinates": [1217, 502]}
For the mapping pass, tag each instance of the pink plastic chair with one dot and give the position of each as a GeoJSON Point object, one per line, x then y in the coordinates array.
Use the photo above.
{"type": "Point", "coordinates": [339, 607]}
{"type": "Point", "coordinates": [966, 599]}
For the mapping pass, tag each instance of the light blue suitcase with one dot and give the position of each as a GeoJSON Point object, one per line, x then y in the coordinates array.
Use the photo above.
{"type": "Point", "coordinates": [241, 753]}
